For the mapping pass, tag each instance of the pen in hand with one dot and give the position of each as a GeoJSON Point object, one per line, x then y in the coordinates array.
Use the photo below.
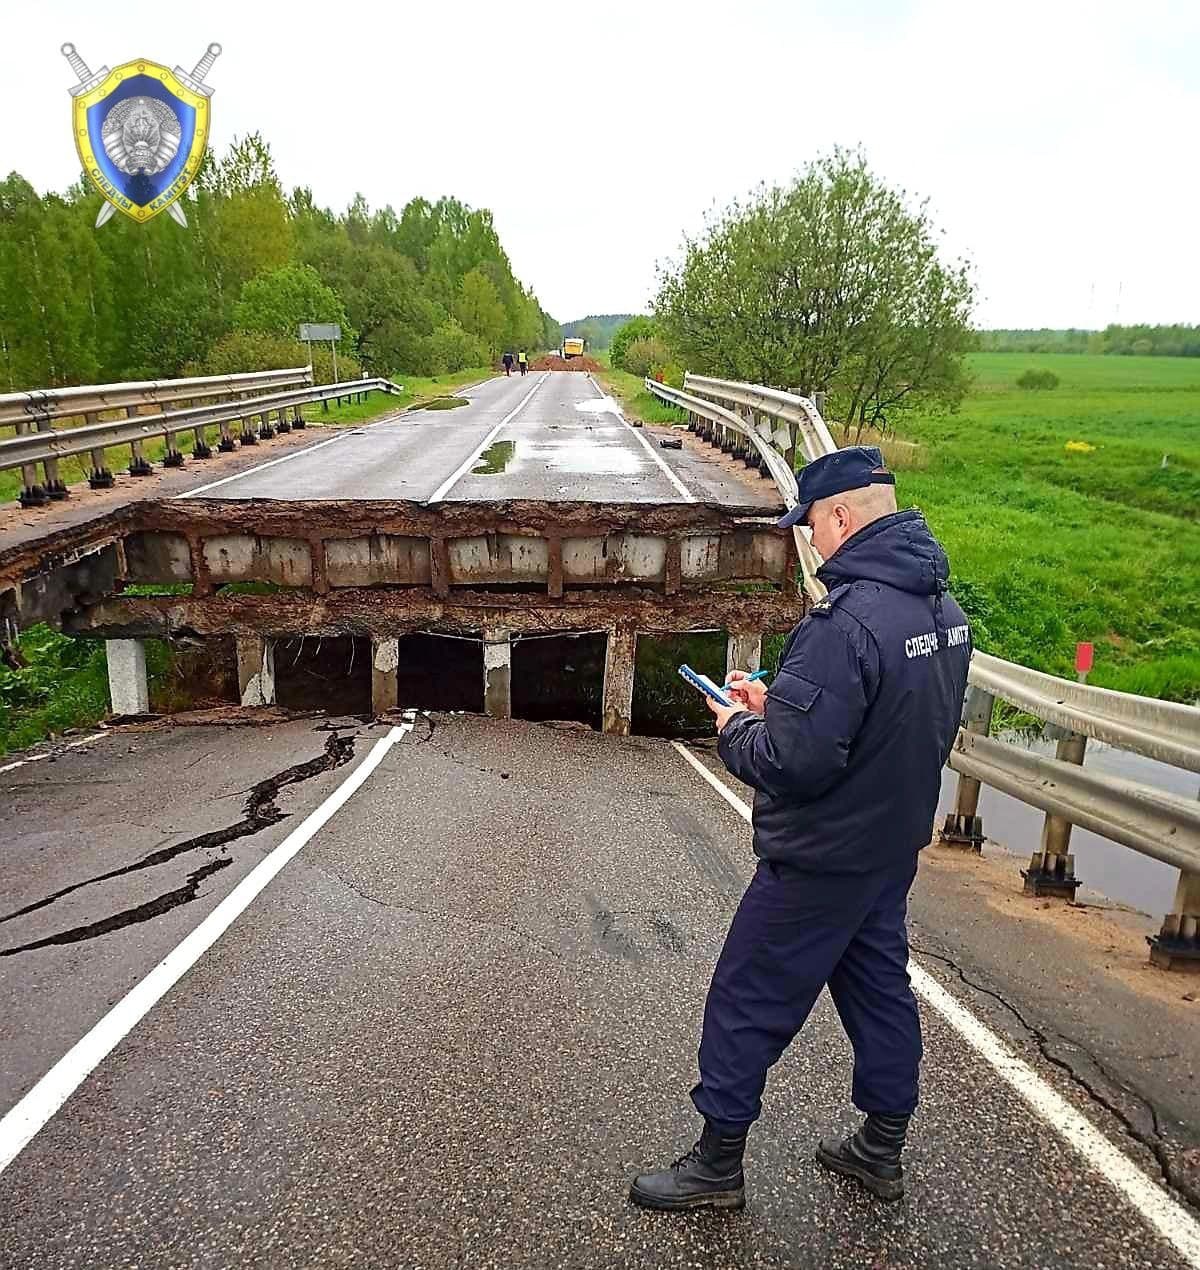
{"type": "Point", "coordinates": [758, 674]}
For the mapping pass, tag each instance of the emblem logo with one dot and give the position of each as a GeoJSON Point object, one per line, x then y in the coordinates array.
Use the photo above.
{"type": "Point", "coordinates": [141, 132]}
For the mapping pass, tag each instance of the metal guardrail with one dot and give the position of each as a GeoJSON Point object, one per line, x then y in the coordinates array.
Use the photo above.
{"type": "Point", "coordinates": [1161, 825]}
{"type": "Point", "coordinates": [42, 405]}
{"type": "Point", "coordinates": [803, 421]}
{"type": "Point", "coordinates": [1148, 820]}
{"type": "Point", "coordinates": [1163, 730]}
{"type": "Point", "coordinates": [48, 447]}
{"type": "Point", "coordinates": [702, 412]}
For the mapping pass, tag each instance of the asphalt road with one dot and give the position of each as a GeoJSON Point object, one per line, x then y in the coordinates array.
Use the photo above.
{"type": "Point", "coordinates": [546, 435]}
{"type": "Point", "coordinates": [460, 1017]}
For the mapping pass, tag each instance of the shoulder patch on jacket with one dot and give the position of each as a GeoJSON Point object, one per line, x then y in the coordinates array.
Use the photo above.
{"type": "Point", "coordinates": [824, 607]}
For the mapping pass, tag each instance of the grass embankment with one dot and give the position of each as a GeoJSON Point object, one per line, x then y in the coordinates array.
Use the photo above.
{"type": "Point", "coordinates": [417, 389]}
{"type": "Point", "coordinates": [631, 392]}
{"type": "Point", "coordinates": [64, 683]}
{"type": "Point", "coordinates": [1049, 545]}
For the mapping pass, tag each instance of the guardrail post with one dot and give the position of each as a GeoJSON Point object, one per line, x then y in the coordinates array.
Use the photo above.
{"type": "Point", "coordinates": [54, 485]}
{"type": "Point", "coordinates": [743, 651]}
{"type": "Point", "coordinates": [100, 477]}
{"type": "Point", "coordinates": [248, 435]}
{"type": "Point", "coordinates": [256, 670]}
{"type": "Point", "coordinates": [227, 442]}
{"type": "Point", "coordinates": [265, 430]}
{"type": "Point", "coordinates": [619, 661]}
{"type": "Point", "coordinates": [385, 686]}
{"type": "Point", "coordinates": [1052, 868]}
{"type": "Point", "coordinates": [297, 417]}
{"type": "Point", "coordinates": [128, 687]}
{"type": "Point", "coordinates": [281, 420]}
{"type": "Point", "coordinates": [964, 825]}
{"type": "Point", "coordinates": [33, 493]}
{"type": "Point", "coordinates": [497, 672]}
{"type": "Point", "coordinates": [1177, 944]}
{"type": "Point", "coordinates": [138, 464]}
{"type": "Point", "coordinates": [200, 449]}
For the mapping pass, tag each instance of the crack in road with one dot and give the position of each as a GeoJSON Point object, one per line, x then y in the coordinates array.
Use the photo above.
{"type": "Point", "coordinates": [261, 811]}
{"type": "Point", "coordinates": [481, 922]}
{"type": "Point", "coordinates": [1154, 1142]}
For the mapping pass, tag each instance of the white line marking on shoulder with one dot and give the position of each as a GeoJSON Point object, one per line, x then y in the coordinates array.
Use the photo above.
{"type": "Point", "coordinates": [685, 493]}
{"type": "Point", "coordinates": [20, 1125]}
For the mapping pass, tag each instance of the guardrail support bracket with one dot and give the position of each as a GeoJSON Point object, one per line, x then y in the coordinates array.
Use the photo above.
{"type": "Point", "coordinates": [1051, 874]}
{"type": "Point", "coordinates": [963, 830]}
{"type": "Point", "coordinates": [1177, 944]}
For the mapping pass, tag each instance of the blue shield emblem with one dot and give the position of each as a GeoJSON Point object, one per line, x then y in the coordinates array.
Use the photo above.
{"type": "Point", "coordinates": [141, 133]}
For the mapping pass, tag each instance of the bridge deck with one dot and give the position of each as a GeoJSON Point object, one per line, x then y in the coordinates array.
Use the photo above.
{"type": "Point", "coordinates": [449, 1029]}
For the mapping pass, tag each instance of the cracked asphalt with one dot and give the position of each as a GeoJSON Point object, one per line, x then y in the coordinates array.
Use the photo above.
{"type": "Point", "coordinates": [456, 1022]}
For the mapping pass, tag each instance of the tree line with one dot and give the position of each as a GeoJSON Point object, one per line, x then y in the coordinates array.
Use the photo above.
{"type": "Point", "coordinates": [423, 291]}
{"type": "Point", "coordinates": [1177, 340]}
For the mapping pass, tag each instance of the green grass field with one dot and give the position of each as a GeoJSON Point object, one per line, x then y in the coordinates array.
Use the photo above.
{"type": "Point", "coordinates": [74, 470]}
{"type": "Point", "coordinates": [1049, 545]}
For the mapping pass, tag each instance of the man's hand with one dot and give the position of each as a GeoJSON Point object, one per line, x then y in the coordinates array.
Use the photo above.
{"type": "Point", "coordinates": [752, 695]}
{"type": "Point", "coordinates": [723, 713]}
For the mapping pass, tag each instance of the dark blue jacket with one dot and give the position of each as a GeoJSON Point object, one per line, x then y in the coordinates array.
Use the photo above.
{"type": "Point", "coordinates": [862, 714]}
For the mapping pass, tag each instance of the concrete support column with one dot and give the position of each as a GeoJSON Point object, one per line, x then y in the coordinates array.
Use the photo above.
{"type": "Point", "coordinates": [256, 670]}
{"type": "Point", "coordinates": [619, 659]}
{"type": "Point", "coordinates": [1052, 867]}
{"type": "Point", "coordinates": [743, 652]}
{"type": "Point", "coordinates": [964, 826]}
{"type": "Point", "coordinates": [385, 657]}
{"type": "Point", "coordinates": [128, 687]}
{"type": "Point", "coordinates": [497, 673]}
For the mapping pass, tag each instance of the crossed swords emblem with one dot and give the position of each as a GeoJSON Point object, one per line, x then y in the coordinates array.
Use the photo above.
{"type": "Point", "coordinates": [193, 81]}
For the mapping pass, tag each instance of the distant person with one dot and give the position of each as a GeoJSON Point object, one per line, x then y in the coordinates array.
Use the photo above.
{"type": "Point", "coordinates": [523, 361]}
{"type": "Point", "coordinates": [845, 754]}
{"type": "Point", "coordinates": [507, 359]}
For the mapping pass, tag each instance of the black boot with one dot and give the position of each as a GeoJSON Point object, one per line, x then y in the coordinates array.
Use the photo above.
{"type": "Point", "coordinates": [710, 1173]}
{"type": "Point", "coordinates": [872, 1155]}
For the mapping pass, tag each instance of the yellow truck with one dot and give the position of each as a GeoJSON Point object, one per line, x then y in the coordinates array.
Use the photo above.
{"type": "Point", "coordinates": [572, 347]}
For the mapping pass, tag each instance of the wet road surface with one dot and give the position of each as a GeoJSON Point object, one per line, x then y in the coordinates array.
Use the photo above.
{"type": "Point", "coordinates": [547, 435]}
{"type": "Point", "coordinates": [466, 1011]}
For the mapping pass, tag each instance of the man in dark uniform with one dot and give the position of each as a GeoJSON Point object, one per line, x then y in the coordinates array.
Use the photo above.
{"type": "Point", "coordinates": [845, 754]}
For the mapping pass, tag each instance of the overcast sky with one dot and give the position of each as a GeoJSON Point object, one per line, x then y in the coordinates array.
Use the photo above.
{"type": "Point", "coordinates": [1057, 142]}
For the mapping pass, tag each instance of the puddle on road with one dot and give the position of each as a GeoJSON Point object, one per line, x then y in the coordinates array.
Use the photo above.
{"type": "Point", "coordinates": [599, 405]}
{"type": "Point", "coordinates": [495, 459]}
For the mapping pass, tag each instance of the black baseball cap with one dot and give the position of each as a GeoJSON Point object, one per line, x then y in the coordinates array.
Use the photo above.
{"type": "Point", "coordinates": [851, 468]}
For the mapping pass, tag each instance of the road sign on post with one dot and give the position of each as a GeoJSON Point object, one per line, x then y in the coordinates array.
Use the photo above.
{"type": "Point", "coordinates": [330, 331]}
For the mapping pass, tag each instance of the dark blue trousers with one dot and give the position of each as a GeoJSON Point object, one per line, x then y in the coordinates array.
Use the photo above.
{"type": "Point", "coordinates": [794, 933]}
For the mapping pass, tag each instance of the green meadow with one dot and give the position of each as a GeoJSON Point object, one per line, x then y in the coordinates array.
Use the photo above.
{"type": "Point", "coordinates": [1071, 513]}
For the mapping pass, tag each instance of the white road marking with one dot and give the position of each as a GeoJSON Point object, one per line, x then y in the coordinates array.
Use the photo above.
{"type": "Point", "coordinates": [34, 1111]}
{"type": "Point", "coordinates": [262, 467]}
{"type": "Point", "coordinates": [1156, 1207]}
{"type": "Point", "coordinates": [685, 493]}
{"type": "Point", "coordinates": [473, 457]}
{"type": "Point", "coordinates": [70, 745]}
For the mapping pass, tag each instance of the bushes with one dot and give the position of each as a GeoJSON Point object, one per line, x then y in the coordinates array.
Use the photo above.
{"type": "Point", "coordinates": [452, 348]}
{"type": "Point", "coordinates": [643, 355]}
{"type": "Point", "coordinates": [1038, 379]}
{"type": "Point", "coordinates": [637, 328]}
{"type": "Point", "coordinates": [256, 350]}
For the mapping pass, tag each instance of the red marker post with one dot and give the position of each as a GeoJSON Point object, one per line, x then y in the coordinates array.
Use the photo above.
{"type": "Point", "coordinates": [1084, 657]}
